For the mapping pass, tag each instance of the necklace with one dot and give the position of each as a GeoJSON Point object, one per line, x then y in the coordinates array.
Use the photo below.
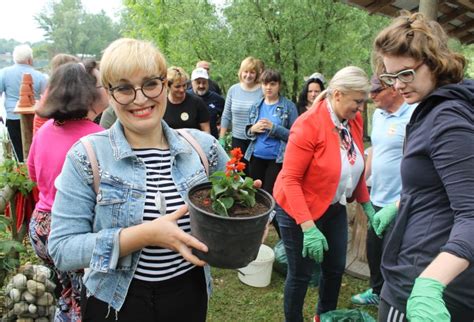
{"type": "Point", "coordinates": [160, 203]}
{"type": "Point", "coordinates": [154, 166]}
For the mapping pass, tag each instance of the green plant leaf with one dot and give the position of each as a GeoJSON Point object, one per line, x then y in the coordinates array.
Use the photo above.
{"type": "Point", "coordinates": [219, 208]}
{"type": "Point", "coordinates": [227, 201]}
{"type": "Point", "coordinates": [219, 189]}
{"type": "Point", "coordinates": [9, 245]}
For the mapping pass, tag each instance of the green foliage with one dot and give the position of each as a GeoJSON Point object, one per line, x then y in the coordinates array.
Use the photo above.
{"type": "Point", "coordinates": [229, 187]}
{"type": "Point", "coordinates": [7, 45]}
{"type": "Point", "coordinates": [15, 175]}
{"type": "Point", "coordinates": [295, 37]}
{"type": "Point", "coordinates": [72, 30]}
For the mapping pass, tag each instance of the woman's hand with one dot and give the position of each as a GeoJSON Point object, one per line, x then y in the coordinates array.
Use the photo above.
{"type": "Point", "coordinates": [261, 126]}
{"type": "Point", "coordinates": [383, 218]}
{"type": "Point", "coordinates": [165, 232]}
{"type": "Point", "coordinates": [314, 244]}
{"type": "Point", "coordinates": [426, 301]}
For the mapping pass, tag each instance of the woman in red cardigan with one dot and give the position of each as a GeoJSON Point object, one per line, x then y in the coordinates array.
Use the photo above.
{"type": "Point", "coordinates": [322, 170]}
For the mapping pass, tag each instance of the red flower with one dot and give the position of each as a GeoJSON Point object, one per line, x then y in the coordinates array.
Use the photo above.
{"type": "Point", "coordinates": [236, 153]}
{"type": "Point", "coordinates": [240, 166]}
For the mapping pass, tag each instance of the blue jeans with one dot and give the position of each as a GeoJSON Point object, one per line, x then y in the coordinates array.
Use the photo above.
{"type": "Point", "coordinates": [333, 225]}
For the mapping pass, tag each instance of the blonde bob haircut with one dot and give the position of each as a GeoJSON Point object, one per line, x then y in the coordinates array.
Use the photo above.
{"type": "Point", "coordinates": [415, 36]}
{"type": "Point", "coordinates": [251, 63]}
{"type": "Point", "coordinates": [176, 75]}
{"type": "Point", "coordinates": [349, 79]}
{"type": "Point", "coordinates": [126, 57]}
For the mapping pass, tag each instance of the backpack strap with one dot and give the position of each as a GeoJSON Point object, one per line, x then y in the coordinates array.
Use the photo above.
{"type": "Point", "coordinates": [197, 147]}
{"type": "Point", "coordinates": [93, 160]}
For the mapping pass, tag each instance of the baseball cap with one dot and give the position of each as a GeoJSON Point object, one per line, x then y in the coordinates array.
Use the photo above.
{"type": "Point", "coordinates": [199, 73]}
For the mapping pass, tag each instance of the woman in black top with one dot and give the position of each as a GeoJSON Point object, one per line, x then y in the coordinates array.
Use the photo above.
{"type": "Point", "coordinates": [311, 89]}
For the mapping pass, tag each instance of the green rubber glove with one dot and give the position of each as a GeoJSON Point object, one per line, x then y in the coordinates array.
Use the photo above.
{"type": "Point", "coordinates": [426, 303]}
{"type": "Point", "coordinates": [383, 218]}
{"type": "Point", "coordinates": [222, 142]}
{"type": "Point", "coordinates": [314, 244]}
{"type": "Point", "coordinates": [369, 211]}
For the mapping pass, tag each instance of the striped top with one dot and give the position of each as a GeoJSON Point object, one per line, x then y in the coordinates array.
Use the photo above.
{"type": "Point", "coordinates": [156, 263]}
{"type": "Point", "coordinates": [237, 107]}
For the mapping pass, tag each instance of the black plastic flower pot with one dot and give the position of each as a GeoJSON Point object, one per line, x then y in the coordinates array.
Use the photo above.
{"type": "Point", "coordinates": [233, 242]}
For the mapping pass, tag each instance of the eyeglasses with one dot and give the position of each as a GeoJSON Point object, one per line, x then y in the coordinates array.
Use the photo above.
{"type": "Point", "coordinates": [404, 76]}
{"type": "Point", "coordinates": [377, 91]}
{"type": "Point", "coordinates": [126, 94]}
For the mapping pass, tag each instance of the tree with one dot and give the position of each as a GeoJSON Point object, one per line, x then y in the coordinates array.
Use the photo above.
{"type": "Point", "coordinates": [70, 29]}
{"type": "Point", "coordinates": [295, 37]}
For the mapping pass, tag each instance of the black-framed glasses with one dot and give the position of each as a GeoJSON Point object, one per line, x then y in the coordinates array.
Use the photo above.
{"type": "Point", "coordinates": [126, 94]}
{"type": "Point", "coordinates": [404, 76]}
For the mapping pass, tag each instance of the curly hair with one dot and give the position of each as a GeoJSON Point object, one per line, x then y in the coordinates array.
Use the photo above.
{"type": "Point", "coordinates": [413, 35]}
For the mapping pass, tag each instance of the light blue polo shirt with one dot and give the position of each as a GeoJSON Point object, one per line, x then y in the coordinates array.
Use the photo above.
{"type": "Point", "coordinates": [388, 135]}
{"type": "Point", "coordinates": [10, 83]}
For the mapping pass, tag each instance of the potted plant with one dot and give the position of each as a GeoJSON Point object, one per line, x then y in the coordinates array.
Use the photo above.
{"type": "Point", "coordinates": [229, 215]}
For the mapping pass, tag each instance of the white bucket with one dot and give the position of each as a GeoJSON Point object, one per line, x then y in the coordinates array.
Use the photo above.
{"type": "Point", "coordinates": [259, 272]}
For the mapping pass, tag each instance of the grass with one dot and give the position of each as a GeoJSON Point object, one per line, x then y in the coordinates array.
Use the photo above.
{"type": "Point", "coordinates": [234, 301]}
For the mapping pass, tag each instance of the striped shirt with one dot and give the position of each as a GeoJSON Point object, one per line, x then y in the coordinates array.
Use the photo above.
{"type": "Point", "coordinates": [236, 109]}
{"type": "Point", "coordinates": [157, 263]}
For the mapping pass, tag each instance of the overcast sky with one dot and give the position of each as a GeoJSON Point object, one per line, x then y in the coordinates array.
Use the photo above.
{"type": "Point", "coordinates": [17, 22]}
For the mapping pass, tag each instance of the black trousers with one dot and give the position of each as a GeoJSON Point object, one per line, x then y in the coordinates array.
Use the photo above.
{"type": "Point", "coordinates": [267, 171]}
{"type": "Point", "coordinates": [183, 298]}
{"type": "Point", "coordinates": [14, 130]}
{"type": "Point", "coordinates": [243, 145]}
{"type": "Point", "coordinates": [374, 246]}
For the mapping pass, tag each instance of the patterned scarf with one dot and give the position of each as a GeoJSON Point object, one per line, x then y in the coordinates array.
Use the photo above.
{"type": "Point", "coordinates": [347, 143]}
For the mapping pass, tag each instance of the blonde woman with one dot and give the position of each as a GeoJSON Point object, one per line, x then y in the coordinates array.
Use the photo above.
{"type": "Point", "coordinates": [240, 98]}
{"type": "Point", "coordinates": [184, 110]}
{"type": "Point", "coordinates": [133, 235]}
{"type": "Point", "coordinates": [322, 170]}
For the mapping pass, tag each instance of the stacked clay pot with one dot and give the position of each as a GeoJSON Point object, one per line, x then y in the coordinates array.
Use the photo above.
{"type": "Point", "coordinates": [27, 95]}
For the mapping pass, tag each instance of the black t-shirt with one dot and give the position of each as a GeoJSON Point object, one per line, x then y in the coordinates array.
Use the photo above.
{"type": "Point", "coordinates": [188, 114]}
{"type": "Point", "coordinates": [215, 106]}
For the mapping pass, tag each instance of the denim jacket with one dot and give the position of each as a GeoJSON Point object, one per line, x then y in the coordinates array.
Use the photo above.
{"type": "Point", "coordinates": [85, 227]}
{"type": "Point", "coordinates": [287, 112]}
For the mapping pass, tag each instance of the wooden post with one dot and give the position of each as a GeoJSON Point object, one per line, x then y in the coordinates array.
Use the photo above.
{"type": "Point", "coordinates": [429, 8]}
{"type": "Point", "coordinates": [26, 122]}
{"type": "Point", "coordinates": [25, 107]}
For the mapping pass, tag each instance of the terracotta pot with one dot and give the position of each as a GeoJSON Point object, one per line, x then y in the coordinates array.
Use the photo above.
{"type": "Point", "coordinates": [27, 79]}
{"type": "Point", "coordinates": [233, 242]}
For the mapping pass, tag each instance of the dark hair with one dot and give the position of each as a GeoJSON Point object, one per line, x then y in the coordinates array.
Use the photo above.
{"type": "Point", "coordinates": [71, 92]}
{"type": "Point", "coordinates": [270, 75]}
{"type": "Point", "coordinates": [303, 97]}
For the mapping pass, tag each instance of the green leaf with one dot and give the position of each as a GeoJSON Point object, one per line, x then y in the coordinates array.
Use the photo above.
{"type": "Point", "coordinates": [9, 245]}
{"type": "Point", "coordinates": [219, 208]}
{"type": "Point", "coordinates": [219, 189]}
{"type": "Point", "coordinates": [227, 201]}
